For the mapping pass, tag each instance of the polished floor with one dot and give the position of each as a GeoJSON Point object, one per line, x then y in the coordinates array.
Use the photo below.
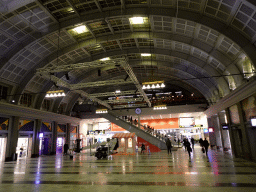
{"type": "Point", "coordinates": [142, 172]}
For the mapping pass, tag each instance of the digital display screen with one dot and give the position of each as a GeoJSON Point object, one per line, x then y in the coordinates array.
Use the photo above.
{"type": "Point", "coordinates": [253, 122]}
{"type": "Point", "coordinates": [41, 135]}
{"type": "Point", "coordinates": [224, 126]}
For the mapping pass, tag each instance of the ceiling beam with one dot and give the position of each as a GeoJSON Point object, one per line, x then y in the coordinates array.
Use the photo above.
{"type": "Point", "coordinates": [69, 67]}
{"type": "Point", "coordinates": [63, 83]}
{"type": "Point", "coordinates": [101, 83]}
{"type": "Point", "coordinates": [107, 94]}
{"type": "Point", "coordinates": [131, 74]}
{"type": "Point", "coordinates": [124, 100]}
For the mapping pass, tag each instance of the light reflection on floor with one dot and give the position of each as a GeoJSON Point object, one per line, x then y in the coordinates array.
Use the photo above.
{"type": "Point", "coordinates": [141, 172]}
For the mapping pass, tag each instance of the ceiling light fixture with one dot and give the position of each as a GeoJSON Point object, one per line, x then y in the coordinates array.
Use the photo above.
{"type": "Point", "coordinates": [51, 94]}
{"type": "Point", "coordinates": [136, 20]}
{"type": "Point", "coordinates": [105, 59]}
{"type": "Point", "coordinates": [145, 54]}
{"type": "Point", "coordinates": [159, 107]}
{"type": "Point", "coordinates": [100, 111]}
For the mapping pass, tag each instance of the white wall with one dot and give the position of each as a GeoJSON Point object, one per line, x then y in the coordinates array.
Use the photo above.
{"type": "Point", "coordinates": [95, 126]}
{"type": "Point", "coordinates": [83, 127]}
{"type": "Point", "coordinates": [202, 120]}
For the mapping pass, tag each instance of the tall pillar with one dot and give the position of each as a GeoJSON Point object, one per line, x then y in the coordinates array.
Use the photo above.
{"type": "Point", "coordinates": [54, 137]}
{"type": "Point", "coordinates": [224, 133]}
{"type": "Point", "coordinates": [12, 139]}
{"type": "Point", "coordinates": [216, 129]}
{"type": "Point", "coordinates": [77, 132]}
{"type": "Point", "coordinates": [231, 135]}
{"type": "Point", "coordinates": [35, 141]}
{"type": "Point", "coordinates": [245, 138]}
{"type": "Point", "coordinates": [68, 133]}
{"type": "Point", "coordinates": [212, 138]}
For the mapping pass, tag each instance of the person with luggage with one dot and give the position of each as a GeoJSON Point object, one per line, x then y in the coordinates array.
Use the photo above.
{"type": "Point", "coordinates": [206, 145]}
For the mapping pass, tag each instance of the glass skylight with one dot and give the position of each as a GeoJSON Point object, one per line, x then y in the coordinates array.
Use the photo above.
{"type": "Point", "coordinates": [80, 29]}
{"type": "Point", "coordinates": [136, 20]}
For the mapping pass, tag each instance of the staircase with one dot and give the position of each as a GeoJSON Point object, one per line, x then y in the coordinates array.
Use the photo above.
{"type": "Point", "coordinates": [137, 129]}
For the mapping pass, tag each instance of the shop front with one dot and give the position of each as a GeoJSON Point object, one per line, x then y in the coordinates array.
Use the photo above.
{"type": "Point", "coordinates": [126, 142]}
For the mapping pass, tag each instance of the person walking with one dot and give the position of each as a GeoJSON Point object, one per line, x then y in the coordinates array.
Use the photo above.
{"type": "Point", "coordinates": [65, 148]}
{"type": "Point", "coordinates": [205, 145]}
{"type": "Point", "coordinates": [189, 149]}
{"type": "Point", "coordinates": [192, 142]}
{"type": "Point", "coordinates": [201, 142]}
{"type": "Point", "coordinates": [185, 140]}
{"type": "Point", "coordinates": [169, 146]}
{"type": "Point", "coordinates": [143, 148]}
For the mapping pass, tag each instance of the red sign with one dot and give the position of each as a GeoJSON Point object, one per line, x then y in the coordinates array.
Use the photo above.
{"type": "Point", "coordinates": [162, 123]}
{"type": "Point", "coordinates": [115, 127]}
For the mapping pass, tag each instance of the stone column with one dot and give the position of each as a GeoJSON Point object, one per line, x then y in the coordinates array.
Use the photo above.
{"type": "Point", "coordinates": [12, 139]}
{"type": "Point", "coordinates": [35, 141]}
{"type": "Point", "coordinates": [68, 133]}
{"type": "Point", "coordinates": [54, 137]}
{"type": "Point", "coordinates": [77, 132]}
{"type": "Point", "coordinates": [231, 135]}
{"type": "Point", "coordinates": [139, 121]}
{"type": "Point", "coordinates": [245, 138]}
{"type": "Point", "coordinates": [224, 133]}
{"type": "Point", "coordinates": [212, 139]}
{"type": "Point", "coordinates": [216, 129]}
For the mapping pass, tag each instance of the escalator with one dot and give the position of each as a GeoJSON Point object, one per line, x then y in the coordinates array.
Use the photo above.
{"type": "Point", "coordinates": [137, 129]}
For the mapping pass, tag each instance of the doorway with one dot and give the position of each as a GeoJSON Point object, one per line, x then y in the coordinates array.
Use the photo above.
{"type": "Point", "coordinates": [59, 145]}
{"type": "Point", "coordinates": [2, 148]}
{"type": "Point", "coordinates": [238, 141]}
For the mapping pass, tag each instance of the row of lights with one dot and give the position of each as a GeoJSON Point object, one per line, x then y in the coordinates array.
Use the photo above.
{"type": "Point", "coordinates": [100, 111]}
{"type": "Point", "coordinates": [157, 86]}
{"type": "Point", "coordinates": [59, 93]}
{"type": "Point", "coordinates": [159, 107]}
{"type": "Point", "coordinates": [153, 85]}
{"type": "Point", "coordinates": [142, 54]}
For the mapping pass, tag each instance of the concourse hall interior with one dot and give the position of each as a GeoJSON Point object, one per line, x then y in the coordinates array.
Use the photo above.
{"type": "Point", "coordinates": [128, 95]}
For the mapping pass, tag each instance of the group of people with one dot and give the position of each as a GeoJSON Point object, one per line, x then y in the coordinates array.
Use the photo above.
{"type": "Point", "coordinates": [189, 146]}
{"type": "Point", "coordinates": [204, 144]}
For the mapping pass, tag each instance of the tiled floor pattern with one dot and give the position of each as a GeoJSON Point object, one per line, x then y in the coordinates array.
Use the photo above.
{"type": "Point", "coordinates": [142, 172]}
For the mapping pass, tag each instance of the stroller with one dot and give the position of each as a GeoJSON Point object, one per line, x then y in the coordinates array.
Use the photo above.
{"type": "Point", "coordinates": [102, 151]}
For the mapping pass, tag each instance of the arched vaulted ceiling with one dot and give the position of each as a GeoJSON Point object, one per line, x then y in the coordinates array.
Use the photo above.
{"type": "Point", "coordinates": [200, 40]}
